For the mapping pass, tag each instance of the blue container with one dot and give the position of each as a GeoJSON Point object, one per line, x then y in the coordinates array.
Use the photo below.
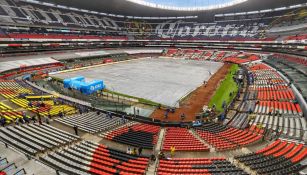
{"type": "Point", "coordinates": [79, 83]}
{"type": "Point", "coordinates": [92, 87]}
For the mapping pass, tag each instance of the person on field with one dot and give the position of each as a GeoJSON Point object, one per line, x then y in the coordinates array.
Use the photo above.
{"type": "Point", "coordinates": [166, 113]}
{"type": "Point", "coordinates": [182, 116]}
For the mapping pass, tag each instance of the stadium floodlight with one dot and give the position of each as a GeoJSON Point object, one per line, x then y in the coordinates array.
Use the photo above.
{"type": "Point", "coordinates": [253, 12]}
{"type": "Point", "coordinates": [267, 10]}
{"type": "Point", "coordinates": [199, 8]}
{"type": "Point", "coordinates": [281, 8]}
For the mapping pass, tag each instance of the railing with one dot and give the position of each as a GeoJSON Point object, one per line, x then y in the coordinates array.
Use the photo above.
{"type": "Point", "coordinates": [245, 94]}
{"type": "Point", "coordinates": [60, 95]}
{"type": "Point", "coordinates": [106, 100]}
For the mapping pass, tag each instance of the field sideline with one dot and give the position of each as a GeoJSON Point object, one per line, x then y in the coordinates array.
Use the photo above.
{"type": "Point", "coordinates": [194, 103]}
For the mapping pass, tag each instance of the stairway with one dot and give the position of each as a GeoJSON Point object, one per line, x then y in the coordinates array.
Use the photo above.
{"type": "Point", "coordinates": [152, 167]}
{"type": "Point", "coordinates": [160, 141]}
{"type": "Point", "coordinates": [192, 131]}
{"type": "Point", "coordinates": [105, 133]}
{"type": "Point", "coordinates": [242, 166]}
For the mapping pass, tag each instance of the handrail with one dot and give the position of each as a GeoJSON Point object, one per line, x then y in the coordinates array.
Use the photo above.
{"type": "Point", "coordinates": [60, 95]}
{"type": "Point", "coordinates": [245, 94]}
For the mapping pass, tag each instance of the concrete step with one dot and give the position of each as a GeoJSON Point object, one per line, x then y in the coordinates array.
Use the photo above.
{"type": "Point", "coordinates": [31, 166]}
{"type": "Point", "coordinates": [243, 167]}
{"type": "Point", "coordinates": [104, 133]}
{"type": "Point", "coordinates": [192, 131]}
{"type": "Point", "coordinates": [160, 141]}
{"type": "Point", "coordinates": [152, 168]}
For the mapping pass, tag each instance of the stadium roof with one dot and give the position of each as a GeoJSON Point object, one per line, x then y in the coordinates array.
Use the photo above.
{"type": "Point", "coordinates": [128, 8]}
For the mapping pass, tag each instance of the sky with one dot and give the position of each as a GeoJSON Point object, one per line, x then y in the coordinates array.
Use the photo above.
{"type": "Point", "coordinates": [188, 3]}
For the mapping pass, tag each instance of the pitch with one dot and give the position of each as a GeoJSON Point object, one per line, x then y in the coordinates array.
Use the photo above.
{"type": "Point", "coordinates": [160, 80]}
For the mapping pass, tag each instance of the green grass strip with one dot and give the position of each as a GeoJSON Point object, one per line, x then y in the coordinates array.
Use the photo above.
{"type": "Point", "coordinates": [227, 86]}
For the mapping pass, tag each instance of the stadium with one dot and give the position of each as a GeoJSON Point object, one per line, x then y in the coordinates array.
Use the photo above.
{"type": "Point", "coordinates": [153, 87]}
